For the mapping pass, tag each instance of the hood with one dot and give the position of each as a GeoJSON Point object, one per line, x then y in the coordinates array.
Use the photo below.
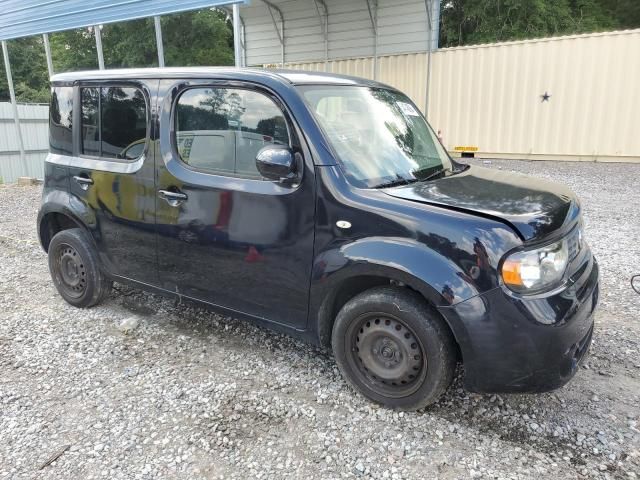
{"type": "Point", "coordinates": [533, 207]}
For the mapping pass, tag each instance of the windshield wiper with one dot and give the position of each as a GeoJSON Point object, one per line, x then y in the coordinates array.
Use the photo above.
{"type": "Point", "coordinates": [406, 181]}
{"type": "Point", "coordinates": [434, 174]}
{"type": "Point", "coordinates": [397, 182]}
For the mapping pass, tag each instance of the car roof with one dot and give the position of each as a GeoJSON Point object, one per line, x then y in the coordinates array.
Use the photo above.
{"type": "Point", "coordinates": [295, 77]}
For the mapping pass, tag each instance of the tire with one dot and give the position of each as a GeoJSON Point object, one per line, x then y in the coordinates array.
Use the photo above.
{"type": "Point", "coordinates": [394, 348]}
{"type": "Point", "coordinates": [74, 268]}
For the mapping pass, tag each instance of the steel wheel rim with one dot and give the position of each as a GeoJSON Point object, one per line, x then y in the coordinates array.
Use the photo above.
{"type": "Point", "coordinates": [70, 270]}
{"type": "Point", "coordinates": [386, 354]}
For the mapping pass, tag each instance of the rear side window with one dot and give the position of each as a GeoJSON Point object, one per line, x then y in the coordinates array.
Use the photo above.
{"type": "Point", "coordinates": [90, 102]}
{"type": "Point", "coordinates": [221, 130]}
{"type": "Point", "coordinates": [60, 120]}
{"type": "Point", "coordinates": [114, 122]}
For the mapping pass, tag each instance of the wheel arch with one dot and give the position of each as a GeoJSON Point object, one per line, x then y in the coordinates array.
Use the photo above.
{"type": "Point", "coordinates": [52, 221]}
{"type": "Point", "coordinates": [347, 288]}
{"type": "Point", "coordinates": [341, 274]}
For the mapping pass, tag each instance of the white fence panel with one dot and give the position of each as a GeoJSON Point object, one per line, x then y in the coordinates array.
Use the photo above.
{"type": "Point", "coordinates": [34, 120]}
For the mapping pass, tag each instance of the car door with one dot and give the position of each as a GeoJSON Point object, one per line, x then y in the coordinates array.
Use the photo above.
{"type": "Point", "coordinates": [111, 174]}
{"type": "Point", "coordinates": [225, 235]}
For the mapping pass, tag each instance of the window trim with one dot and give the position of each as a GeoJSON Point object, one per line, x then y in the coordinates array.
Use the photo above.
{"type": "Point", "coordinates": [77, 116]}
{"type": "Point", "coordinates": [169, 89]}
{"type": "Point", "coordinates": [223, 85]}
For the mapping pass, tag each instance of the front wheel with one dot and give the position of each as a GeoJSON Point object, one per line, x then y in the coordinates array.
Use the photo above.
{"type": "Point", "coordinates": [74, 269]}
{"type": "Point", "coordinates": [394, 348]}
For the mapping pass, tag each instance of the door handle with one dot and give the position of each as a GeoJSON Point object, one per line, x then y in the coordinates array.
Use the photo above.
{"type": "Point", "coordinates": [84, 182]}
{"type": "Point", "coordinates": [173, 198]}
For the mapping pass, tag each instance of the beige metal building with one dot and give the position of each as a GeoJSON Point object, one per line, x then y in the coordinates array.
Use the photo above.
{"type": "Point", "coordinates": [491, 98]}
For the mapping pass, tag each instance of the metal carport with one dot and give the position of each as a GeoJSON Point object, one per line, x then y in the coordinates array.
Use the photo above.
{"type": "Point", "coordinates": [23, 18]}
{"type": "Point", "coordinates": [291, 33]}
{"type": "Point", "coordinates": [265, 31]}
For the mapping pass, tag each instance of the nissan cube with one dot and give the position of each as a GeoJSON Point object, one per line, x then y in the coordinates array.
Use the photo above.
{"type": "Point", "coordinates": [324, 207]}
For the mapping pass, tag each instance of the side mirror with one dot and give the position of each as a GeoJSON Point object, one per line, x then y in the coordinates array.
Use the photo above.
{"type": "Point", "coordinates": [276, 162]}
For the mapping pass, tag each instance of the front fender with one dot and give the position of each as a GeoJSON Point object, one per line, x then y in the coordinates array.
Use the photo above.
{"type": "Point", "coordinates": [441, 281]}
{"type": "Point", "coordinates": [405, 260]}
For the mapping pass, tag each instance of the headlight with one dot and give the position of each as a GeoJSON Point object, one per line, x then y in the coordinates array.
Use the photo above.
{"type": "Point", "coordinates": [531, 271]}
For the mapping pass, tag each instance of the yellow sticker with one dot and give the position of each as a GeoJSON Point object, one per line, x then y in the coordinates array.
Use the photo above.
{"type": "Point", "coordinates": [466, 149]}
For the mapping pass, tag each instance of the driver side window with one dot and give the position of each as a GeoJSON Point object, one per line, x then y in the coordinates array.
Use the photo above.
{"type": "Point", "coordinates": [221, 130]}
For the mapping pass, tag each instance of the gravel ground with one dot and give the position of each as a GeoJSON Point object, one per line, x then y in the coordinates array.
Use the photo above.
{"type": "Point", "coordinates": [186, 393]}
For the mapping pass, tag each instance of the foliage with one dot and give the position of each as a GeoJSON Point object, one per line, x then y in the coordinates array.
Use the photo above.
{"type": "Point", "coordinates": [626, 12]}
{"type": "Point", "coordinates": [29, 69]}
{"type": "Point", "coordinates": [192, 38]}
{"type": "Point", "coordinates": [466, 22]}
{"type": "Point", "coordinates": [204, 37]}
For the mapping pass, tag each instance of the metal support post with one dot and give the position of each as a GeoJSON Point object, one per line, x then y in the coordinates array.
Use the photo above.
{"type": "Point", "coordinates": [14, 105]}
{"type": "Point", "coordinates": [159, 45]}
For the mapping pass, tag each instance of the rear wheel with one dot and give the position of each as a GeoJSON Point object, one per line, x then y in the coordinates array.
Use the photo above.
{"type": "Point", "coordinates": [74, 269]}
{"type": "Point", "coordinates": [394, 348]}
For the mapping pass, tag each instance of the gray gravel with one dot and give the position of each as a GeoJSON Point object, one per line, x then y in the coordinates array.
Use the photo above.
{"type": "Point", "coordinates": [142, 388]}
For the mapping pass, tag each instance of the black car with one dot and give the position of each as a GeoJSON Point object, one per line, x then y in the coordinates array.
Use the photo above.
{"type": "Point", "coordinates": [325, 207]}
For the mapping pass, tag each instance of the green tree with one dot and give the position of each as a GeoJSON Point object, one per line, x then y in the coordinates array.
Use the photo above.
{"type": "Point", "coordinates": [29, 70]}
{"type": "Point", "coordinates": [74, 50]}
{"type": "Point", "coordinates": [466, 22]}
{"type": "Point", "coordinates": [482, 21]}
{"type": "Point", "coordinates": [626, 12]}
{"type": "Point", "coordinates": [203, 37]}
{"type": "Point", "coordinates": [198, 38]}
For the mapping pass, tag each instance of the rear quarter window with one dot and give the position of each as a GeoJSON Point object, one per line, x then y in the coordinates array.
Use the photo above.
{"type": "Point", "coordinates": [61, 121]}
{"type": "Point", "coordinates": [114, 122]}
{"type": "Point", "coordinates": [123, 122]}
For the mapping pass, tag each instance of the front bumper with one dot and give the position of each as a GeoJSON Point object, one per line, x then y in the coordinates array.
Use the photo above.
{"type": "Point", "coordinates": [513, 343]}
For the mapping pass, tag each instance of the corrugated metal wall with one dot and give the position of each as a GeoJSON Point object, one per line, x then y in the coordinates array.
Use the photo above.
{"type": "Point", "coordinates": [489, 96]}
{"type": "Point", "coordinates": [21, 18]}
{"type": "Point", "coordinates": [35, 133]}
{"type": "Point", "coordinates": [402, 28]}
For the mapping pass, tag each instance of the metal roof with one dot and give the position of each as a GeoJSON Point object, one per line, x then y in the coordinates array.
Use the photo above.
{"type": "Point", "coordinates": [319, 30]}
{"type": "Point", "coordinates": [296, 77]}
{"type": "Point", "coordinates": [21, 18]}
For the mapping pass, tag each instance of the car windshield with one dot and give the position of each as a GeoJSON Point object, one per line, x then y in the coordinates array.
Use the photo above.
{"type": "Point", "coordinates": [380, 137]}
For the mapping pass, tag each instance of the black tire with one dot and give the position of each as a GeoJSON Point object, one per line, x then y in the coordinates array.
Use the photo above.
{"type": "Point", "coordinates": [394, 348]}
{"type": "Point", "coordinates": [75, 270]}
